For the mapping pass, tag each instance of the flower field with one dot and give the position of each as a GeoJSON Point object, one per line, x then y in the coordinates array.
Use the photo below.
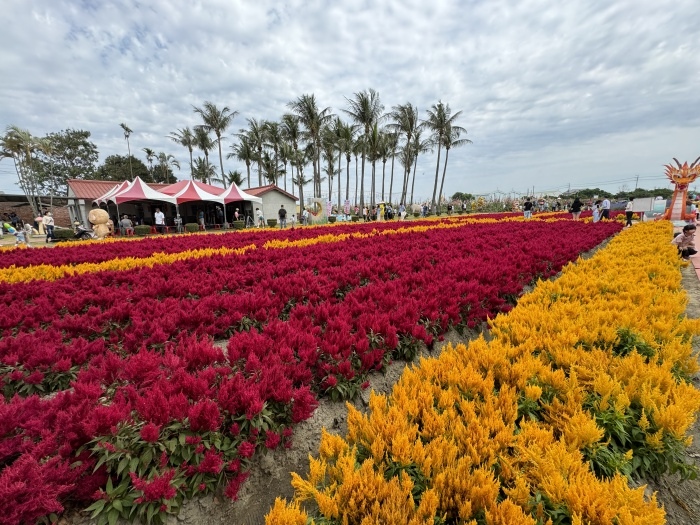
{"type": "Point", "coordinates": [116, 399]}
{"type": "Point", "coordinates": [585, 382]}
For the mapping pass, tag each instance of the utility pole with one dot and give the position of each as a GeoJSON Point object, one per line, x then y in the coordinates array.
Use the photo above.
{"type": "Point", "coordinates": [636, 182]}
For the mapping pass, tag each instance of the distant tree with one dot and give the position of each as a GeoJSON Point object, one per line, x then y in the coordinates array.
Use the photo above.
{"type": "Point", "coordinates": [204, 142]}
{"type": "Point", "coordinates": [244, 152]}
{"type": "Point", "coordinates": [120, 167]}
{"type": "Point", "coordinates": [163, 172]}
{"type": "Point", "coordinates": [185, 137]}
{"type": "Point", "coordinates": [65, 155]}
{"type": "Point", "coordinates": [459, 196]}
{"type": "Point", "coordinates": [19, 145]}
{"type": "Point", "coordinates": [150, 157]}
{"type": "Point", "coordinates": [640, 193]}
{"type": "Point", "coordinates": [127, 133]}
{"type": "Point", "coordinates": [589, 193]}
{"type": "Point", "coordinates": [217, 121]}
{"type": "Point", "coordinates": [451, 139]}
{"type": "Point", "coordinates": [202, 170]}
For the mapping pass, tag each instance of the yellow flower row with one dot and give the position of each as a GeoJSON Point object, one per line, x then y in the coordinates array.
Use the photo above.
{"type": "Point", "coordinates": [47, 272]}
{"type": "Point", "coordinates": [506, 429]}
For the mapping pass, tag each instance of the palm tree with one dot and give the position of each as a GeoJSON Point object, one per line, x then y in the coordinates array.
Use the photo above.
{"type": "Point", "coordinates": [166, 162]}
{"type": "Point", "coordinates": [273, 139]}
{"type": "Point", "coordinates": [439, 122]}
{"type": "Point", "coordinates": [374, 142]}
{"type": "Point", "coordinates": [365, 110]}
{"type": "Point", "coordinates": [202, 170]}
{"type": "Point", "coordinates": [451, 140]}
{"type": "Point", "coordinates": [346, 141]}
{"type": "Point", "coordinates": [204, 143]}
{"type": "Point", "coordinates": [419, 146]}
{"type": "Point", "coordinates": [127, 134]}
{"type": "Point", "coordinates": [392, 142]}
{"type": "Point", "coordinates": [313, 119]}
{"type": "Point", "coordinates": [291, 132]}
{"type": "Point", "coordinates": [301, 159]}
{"type": "Point", "coordinates": [184, 137]}
{"type": "Point", "coordinates": [328, 145]}
{"type": "Point", "coordinates": [19, 145]}
{"type": "Point", "coordinates": [216, 120]}
{"type": "Point", "coordinates": [358, 146]}
{"type": "Point", "coordinates": [256, 136]}
{"type": "Point", "coordinates": [150, 155]}
{"type": "Point", "coordinates": [244, 152]}
{"type": "Point", "coordinates": [286, 153]}
{"type": "Point", "coordinates": [404, 120]}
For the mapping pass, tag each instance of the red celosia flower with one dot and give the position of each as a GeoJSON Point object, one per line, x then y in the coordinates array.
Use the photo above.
{"type": "Point", "coordinates": [246, 449]}
{"type": "Point", "coordinates": [331, 381]}
{"type": "Point", "coordinates": [35, 378]}
{"type": "Point", "coordinates": [156, 489]}
{"type": "Point", "coordinates": [150, 433]}
{"type": "Point", "coordinates": [272, 439]}
{"type": "Point", "coordinates": [201, 487]}
{"type": "Point", "coordinates": [234, 486]}
{"type": "Point", "coordinates": [212, 462]}
{"type": "Point", "coordinates": [235, 429]}
{"type": "Point", "coordinates": [204, 416]}
{"type": "Point", "coordinates": [193, 440]}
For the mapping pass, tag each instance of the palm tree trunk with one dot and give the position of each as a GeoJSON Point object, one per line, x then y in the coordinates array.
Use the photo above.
{"type": "Point", "coordinates": [260, 171]}
{"type": "Point", "coordinates": [444, 169]}
{"type": "Point", "coordinates": [247, 167]}
{"type": "Point", "coordinates": [362, 183]}
{"type": "Point", "coordinates": [356, 182]}
{"type": "Point", "coordinates": [391, 181]}
{"type": "Point", "coordinates": [383, 177]}
{"type": "Point", "coordinates": [340, 168]}
{"type": "Point", "coordinates": [413, 184]}
{"type": "Point", "coordinates": [347, 179]}
{"type": "Point", "coordinates": [191, 169]}
{"type": "Point", "coordinates": [128, 147]}
{"type": "Point", "coordinates": [221, 160]}
{"type": "Point", "coordinates": [371, 199]}
{"type": "Point", "coordinates": [437, 172]}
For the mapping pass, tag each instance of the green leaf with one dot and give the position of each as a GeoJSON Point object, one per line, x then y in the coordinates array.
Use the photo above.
{"type": "Point", "coordinates": [146, 457]}
{"type": "Point", "coordinates": [122, 465]}
{"type": "Point", "coordinates": [113, 516]}
{"type": "Point", "coordinates": [96, 508]}
{"type": "Point", "coordinates": [117, 504]}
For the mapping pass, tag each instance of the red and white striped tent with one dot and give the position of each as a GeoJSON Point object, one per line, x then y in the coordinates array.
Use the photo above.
{"type": "Point", "coordinates": [140, 191]}
{"type": "Point", "coordinates": [189, 191]}
{"type": "Point", "coordinates": [234, 194]}
{"type": "Point", "coordinates": [116, 189]}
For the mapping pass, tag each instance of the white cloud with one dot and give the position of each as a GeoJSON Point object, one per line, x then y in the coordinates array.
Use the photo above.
{"type": "Point", "coordinates": [551, 93]}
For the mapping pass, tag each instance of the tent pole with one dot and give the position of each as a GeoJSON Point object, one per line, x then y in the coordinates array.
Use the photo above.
{"type": "Point", "coordinates": [225, 223]}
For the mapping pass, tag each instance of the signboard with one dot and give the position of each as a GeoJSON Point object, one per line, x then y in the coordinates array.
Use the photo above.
{"type": "Point", "coordinates": [346, 207]}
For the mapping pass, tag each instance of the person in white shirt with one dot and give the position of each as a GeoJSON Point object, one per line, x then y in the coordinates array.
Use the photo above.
{"type": "Point", "coordinates": [605, 209]}
{"type": "Point", "coordinates": [305, 217]}
{"type": "Point", "coordinates": [48, 222]}
{"type": "Point", "coordinates": [160, 220]}
{"type": "Point", "coordinates": [629, 212]}
{"type": "Point", "coordinates": [261, 218]}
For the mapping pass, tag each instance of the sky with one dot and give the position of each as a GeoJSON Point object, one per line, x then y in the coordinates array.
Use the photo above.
{"type": "Point", "coordinates": [554, 95]}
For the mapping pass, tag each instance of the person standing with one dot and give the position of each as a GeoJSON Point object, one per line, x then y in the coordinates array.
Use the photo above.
{"type": "Point", "coordinates": [160, 220]}
{"type": "Point", "coordinates": [282, 215]}
{"type": "Point", "coordinates": [48, 222]}
{"type": "Point", "coordinates": [365, 213]}
{"type": "Point", "coordinates": [596, 211]}
{"type": "Point", "coordinates": [402, 212]}
{"type": "Point", "coordinates": [261, 218]}
{"type": "Point", "coordinates": [629, 212]}
{"type": "Point", "coordinates": [576, 208]}
{"type": "Point", "coordinates": [605, 209]}
{"type": "Point", "coordinates": [200, 217]}
{"type": "Point", "coordinates": [527, 208]}
{"type": "Point", "coordinates": [305, 217]}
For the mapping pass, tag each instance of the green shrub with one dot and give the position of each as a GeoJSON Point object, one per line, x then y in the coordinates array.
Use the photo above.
{"type": "Point", "coordinates": [331, 219]}
{"type": "Point", "coordinates": [355, 218]}
{"type": "Point", "coordinates": [238, 225]}
{"type": "Point", "coordinates": [416, 214]}
{"type": "Point", "coordinates": [191, 227]}
{"type": "Point", "coordinates": [64, 234]}
{"type": "Point", "coordinates": [142, 230]}
{"type": "Point", "coordinates": [272, 223]}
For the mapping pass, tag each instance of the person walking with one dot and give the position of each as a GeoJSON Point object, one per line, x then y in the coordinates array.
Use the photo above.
{"type": "Point", "coordinates": [305, 217]}
{"type": "Point", "coordinates": [596, 210]}
{"type": "Point", "coordinates": [527, 208]}
{"type": "Point", "coordinates": [629, 212]}
{"type": "Point", "coordinates": [261, 218]}
{"type": "Point", "coordinates": [48, 222]}
{"type": "Point", "coordinates": [605, 209]}
{"type": "Point", "coordinates": [576, 208]}
{"type": "Point", "coordinates": [282, 215]}
{"type": "Point", "coordinates": [200, 217]}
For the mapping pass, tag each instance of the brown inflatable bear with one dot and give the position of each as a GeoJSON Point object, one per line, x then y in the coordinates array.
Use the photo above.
{"type": "Point", "coordinates": [100, 222]}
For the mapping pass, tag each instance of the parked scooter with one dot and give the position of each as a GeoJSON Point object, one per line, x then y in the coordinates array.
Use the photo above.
{"type": "Point", "coordinates": [84, 234]}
